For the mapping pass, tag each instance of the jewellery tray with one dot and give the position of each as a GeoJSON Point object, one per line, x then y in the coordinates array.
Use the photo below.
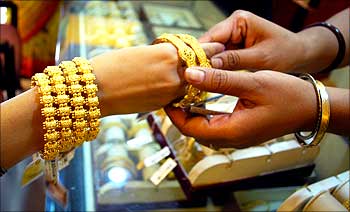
{"type": "Point", "coordinates": [276, 164]}
{"type": "Point", "coordinates": [299, 199]}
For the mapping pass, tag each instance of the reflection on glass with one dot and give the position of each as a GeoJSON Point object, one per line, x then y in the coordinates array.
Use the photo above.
{"type": "Point", "coordinates": [4, 12]}
{"type": "Point", "coordinates": [119, 175]}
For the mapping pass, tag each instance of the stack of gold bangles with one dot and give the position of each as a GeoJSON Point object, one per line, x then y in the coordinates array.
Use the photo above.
{"type": "Point", "coordinates": [191, 54]}
{"type": "Point", "coordinates": [69, 106]}
{"type": "Point", "coordinates": [323, 107]}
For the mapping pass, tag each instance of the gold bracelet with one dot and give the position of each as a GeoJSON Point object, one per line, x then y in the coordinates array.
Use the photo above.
{"type": "Point", "coordinates": [42, 81]}
{"type": "Point", "coordinates": [200, 53]}
{"type": "Point", "coordinates": [90, 91]}
{"type": "Point", "coordinates": [78, 113]}
{"type": "Point", "coordinates": [188, 56]}
{"type": "Point", "coordinates": [326, 112]}
{"type": "Point", "coordinates": [346, 205]}
{"type": "Point", "coordinates": [193, 43]}
{"type": "Point", "coordinates": [59, 89]}
{"type": "Point", "coordinates": [323, 107]}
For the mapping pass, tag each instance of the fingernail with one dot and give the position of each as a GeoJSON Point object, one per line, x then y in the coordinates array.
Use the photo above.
{"type": "Point", "coordinates": [216, 62]}
{"type": "Point", "coordinates": [194, 75]}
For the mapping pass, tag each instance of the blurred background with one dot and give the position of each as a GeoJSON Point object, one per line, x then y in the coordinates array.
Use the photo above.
{"type": "Point", "coordinates": [35, 34]}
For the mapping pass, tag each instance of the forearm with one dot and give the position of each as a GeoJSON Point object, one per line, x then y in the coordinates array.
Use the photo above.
{"type": "Point", "coordinates": [320, 46]}
{"type": "Point", "coordinates": [340, 112]}
{"type": "Point", "coordinates": [137, 79]}
{"type": "Point", "coordinates": [21, 128]}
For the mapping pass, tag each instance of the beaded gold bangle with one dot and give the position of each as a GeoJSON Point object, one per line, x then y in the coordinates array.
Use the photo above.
{"type": "Point", "coordinates": [76, 102]}
{"type": "Point", "coordinates": [48, 111]}
{"type": "Point", "coordinates": [59, 89]}
{"type": "Point", "coordinates": [90, 90]}
{"type": "Point", "coordinates": [63, 108]}
{"type": "Point", "coordinates": [188, 56]}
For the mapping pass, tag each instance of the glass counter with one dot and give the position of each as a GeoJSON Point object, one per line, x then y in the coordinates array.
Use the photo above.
{"type": "Point", "coordinates": [110, 173]}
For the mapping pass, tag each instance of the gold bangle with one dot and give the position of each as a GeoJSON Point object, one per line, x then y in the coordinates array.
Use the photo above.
{"type": "Point", "coordinates": [326, 112]}
{"type": "Point", "coordinates": [63, 109]}
{"type": "Point", "coordinates": [200, 53]}
{"type": "Point", "coordinates": [188, 56]}
{"type": "Point", "coordinates": [193, 43]}
{"type": "Point", "coordinates": [323, 107]}
{"type": "Point", "coordinates": [346, 205]}
{"type": "Point", "coordinates": [78, 113]}
{"type": "Point", "coordinates": [90, 91]}
{"type": "Point", "coordinates": [42, 81]}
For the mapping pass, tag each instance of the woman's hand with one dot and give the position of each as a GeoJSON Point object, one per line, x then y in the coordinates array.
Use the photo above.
{"type": "Point", "coordinates": [254, 43]}
{"type": "Point", "coordinates": [257, 44]}
{"type": "Point", "coordinates": [140, 79]}
{"type": "Point", "coordinates": [271, 104]}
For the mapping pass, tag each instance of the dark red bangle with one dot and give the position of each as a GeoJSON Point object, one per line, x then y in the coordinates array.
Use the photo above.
{"type": "Point", "coordinates": [341, 45]}
{"type": "Point", "coordinates": [2, 171]}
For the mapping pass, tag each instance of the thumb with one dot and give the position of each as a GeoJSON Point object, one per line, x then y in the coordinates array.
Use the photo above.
{"type": "Point", "coordinates": [249, 58]}
{"type": "Point", "coordinates": [235, 83]}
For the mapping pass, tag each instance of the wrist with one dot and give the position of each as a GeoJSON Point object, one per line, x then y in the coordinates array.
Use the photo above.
{"type": "Point", "coordinates": [318, 49]}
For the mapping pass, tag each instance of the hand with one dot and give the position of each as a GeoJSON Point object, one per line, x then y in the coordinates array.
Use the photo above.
{"type": "Point", "coordinates": [254, 43]}
{"type": "Point", "coordinates": [271, 104]}
{"type": "Point", "coordinates": [141, 79]}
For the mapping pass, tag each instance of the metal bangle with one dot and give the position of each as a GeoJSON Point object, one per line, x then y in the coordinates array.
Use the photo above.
{"type": "Point", "coordinates": [341, 44]}
{"type": "Point", "coordinates": [326, 112]}
{"type": "Point", "coordinates": [323, 108]}
{"type": "Point", "coordinates": [2, 171]}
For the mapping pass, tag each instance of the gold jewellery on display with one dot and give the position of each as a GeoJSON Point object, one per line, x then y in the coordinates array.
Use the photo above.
{"type": "Point", "coordinates": [191, 53]}
{"type": "Point", "coordinates": [323, 107]}
{"type": "Point", "coordinates": [70, 106]}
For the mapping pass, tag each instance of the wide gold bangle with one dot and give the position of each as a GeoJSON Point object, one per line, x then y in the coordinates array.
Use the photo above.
{"type": "Point", "coordinates": [323, 107]}
{"type": "Point", "coordinates": [188, 56]}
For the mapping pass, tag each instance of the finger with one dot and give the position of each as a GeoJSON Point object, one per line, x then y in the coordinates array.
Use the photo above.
{"type": "Point", "coordinates": [240, 84]}
{"type": "Point", "coordinates": [212, 49]}
{"type": "Point", "coordinates": [238, 59]}
{"type": "Point", "coordinates": [198, 127]}
{"type": "Point", "coordinates": [220, 32]}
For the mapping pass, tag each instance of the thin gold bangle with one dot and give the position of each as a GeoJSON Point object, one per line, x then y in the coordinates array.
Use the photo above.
{"type": "Point", "coordinates": [323, 108]}
{"type": "Point", "coordinates": [326, 112]}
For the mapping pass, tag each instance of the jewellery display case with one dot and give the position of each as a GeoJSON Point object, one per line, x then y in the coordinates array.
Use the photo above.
{"type": "Point", "coordinates": [111, 173]}
{"type": "Point", "coordinates": [200, 168]}
{"type": "Point", "coordinates": [171, 16]}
